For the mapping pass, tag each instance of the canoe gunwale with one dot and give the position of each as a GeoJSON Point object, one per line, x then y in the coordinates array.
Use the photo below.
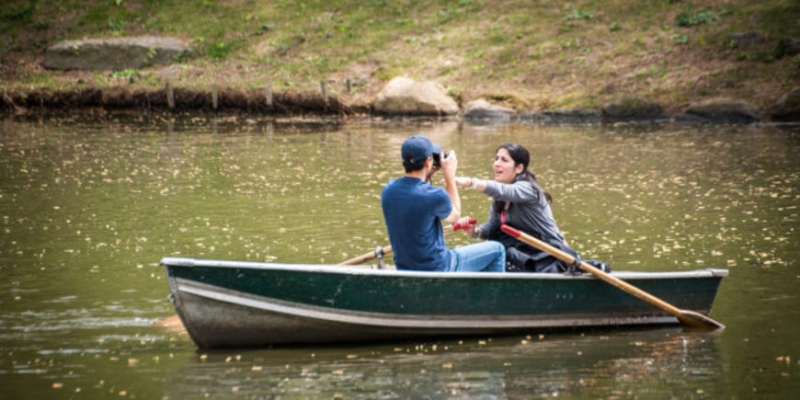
{"type": "Point", "coordinates": [339, 269]}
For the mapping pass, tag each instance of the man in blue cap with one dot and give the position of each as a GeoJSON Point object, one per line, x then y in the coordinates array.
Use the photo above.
{"type": "Point", "coordinates": [414, 210]}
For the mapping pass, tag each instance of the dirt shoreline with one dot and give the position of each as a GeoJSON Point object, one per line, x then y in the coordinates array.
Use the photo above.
{"type": "Point", "coordinates": [180, 99]}
{"type": "Point", "coordinates": [295, 104]}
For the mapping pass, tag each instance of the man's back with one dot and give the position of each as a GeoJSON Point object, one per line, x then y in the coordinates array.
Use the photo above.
{"type": "Point", "coordinates": [413, 210]}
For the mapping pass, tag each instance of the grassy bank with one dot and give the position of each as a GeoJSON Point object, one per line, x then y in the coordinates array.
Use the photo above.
{"type": "Point", "coordinates": [532, 54]}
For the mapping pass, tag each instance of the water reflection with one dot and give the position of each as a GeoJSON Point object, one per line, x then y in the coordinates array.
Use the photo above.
{"type": "Point", "coordinates": [589, 365]}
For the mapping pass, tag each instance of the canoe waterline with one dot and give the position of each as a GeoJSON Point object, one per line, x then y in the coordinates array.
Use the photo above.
{"type": "Point", "coordinates": [251, 304]}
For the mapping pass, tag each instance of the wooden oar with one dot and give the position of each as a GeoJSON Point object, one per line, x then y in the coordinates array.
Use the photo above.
{"type": "Point", "coordinates": [174, 324]}
{"type": "Point", "coordinates": [686, 317]}
{"type": "Point", "coordinates": [386, 250]}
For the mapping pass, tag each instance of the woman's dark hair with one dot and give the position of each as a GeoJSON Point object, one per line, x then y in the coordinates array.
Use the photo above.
{"type": "Point", "coordinates": [520, 155]}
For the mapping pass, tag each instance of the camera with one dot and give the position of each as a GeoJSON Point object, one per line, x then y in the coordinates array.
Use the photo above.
{"type": "Point", "coordinates": [437, 161]}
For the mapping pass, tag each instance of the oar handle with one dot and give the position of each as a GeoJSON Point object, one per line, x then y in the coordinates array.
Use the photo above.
{"type": "Point", "coordinates": [470, 222]}
{"type": "Point", "coordinates": [689, 318]}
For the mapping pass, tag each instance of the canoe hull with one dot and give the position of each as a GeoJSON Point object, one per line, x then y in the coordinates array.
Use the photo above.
{"type": "Point", "coordinates": [238, 304]}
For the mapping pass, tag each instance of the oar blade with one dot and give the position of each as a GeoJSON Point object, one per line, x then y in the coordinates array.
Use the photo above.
{"type": "Point", "coordinates": [171, 324]}
{"type": "Point", "coordinates": [697, 320]}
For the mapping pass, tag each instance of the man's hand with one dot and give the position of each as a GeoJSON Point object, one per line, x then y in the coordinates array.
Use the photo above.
{"type": "Point", "coordinates": [449, 163]}
{"type": "Point", "coordinates": [462, 181]}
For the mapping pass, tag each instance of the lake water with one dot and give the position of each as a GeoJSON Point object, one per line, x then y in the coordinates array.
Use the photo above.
{"type": "Point", "coordinates": [89, 204]}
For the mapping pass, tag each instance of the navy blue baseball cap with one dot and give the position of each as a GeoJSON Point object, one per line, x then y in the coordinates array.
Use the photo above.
{"type": "Point", "coordinates": [417, 148]}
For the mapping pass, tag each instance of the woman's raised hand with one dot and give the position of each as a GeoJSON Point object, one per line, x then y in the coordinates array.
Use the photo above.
{"type": "Point", "coordinates": [463, 181]}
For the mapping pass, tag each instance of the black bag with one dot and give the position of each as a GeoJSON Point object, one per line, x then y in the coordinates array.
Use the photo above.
{"type": "Point", "coordinates": [532, 261]}
{"type": "Point", "coordinates": [524, 258]}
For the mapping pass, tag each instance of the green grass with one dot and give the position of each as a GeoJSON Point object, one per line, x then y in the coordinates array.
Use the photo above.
{"type": "Point", "coordinates": [546, 52]}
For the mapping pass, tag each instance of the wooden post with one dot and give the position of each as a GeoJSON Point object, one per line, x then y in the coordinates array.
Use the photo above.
{"type": "Point", "coordinates": [324, 91]}
{"type": "Point", "coordinates": [268, 95]}
{"type": "Point", "coordinates": [215, 97]}
{"type": "Point", "coordinates": [170, 96]}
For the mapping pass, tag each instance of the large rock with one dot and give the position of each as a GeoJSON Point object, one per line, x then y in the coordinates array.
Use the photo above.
{"type": "Point", "coordinates": [566, 116]}
{"type": "Point", "coordinates": [721, 110]}
{"type": "Point", "coordinates": [787, 108]}
{"type": "Point", "coordinates": [115, 53]}
{"type": "Point", "coordinates": [632, 109]}
{"type": "Point", "coordinates": [482, 110]}
{"type": "Point", "coordinates": [403, 96]}
{"type": "Point", "coordinates": [787, 48]}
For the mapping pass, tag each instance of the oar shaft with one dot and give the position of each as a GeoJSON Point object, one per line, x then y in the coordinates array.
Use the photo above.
{"type": "Point", "coordinates": [557, 253]}
{"type": "Point", "coordinates": [367, 256]}
{"type": "Point", "coordinates": [695, 319]}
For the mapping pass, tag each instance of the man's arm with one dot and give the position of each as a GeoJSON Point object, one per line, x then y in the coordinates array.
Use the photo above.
{"type": "Point", "coordinates": [449, 164]}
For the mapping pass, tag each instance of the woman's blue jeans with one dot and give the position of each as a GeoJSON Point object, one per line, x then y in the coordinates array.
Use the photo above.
{"type": "Point", "coordinates": [488, 256]}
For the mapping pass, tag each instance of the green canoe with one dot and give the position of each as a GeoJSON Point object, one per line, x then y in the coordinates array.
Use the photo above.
{"type": "Point", "coordinates": [250, 304]}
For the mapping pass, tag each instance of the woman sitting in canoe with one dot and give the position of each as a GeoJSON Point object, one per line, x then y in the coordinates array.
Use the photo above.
{"type": "Point", "coordinates": [520, 202]}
